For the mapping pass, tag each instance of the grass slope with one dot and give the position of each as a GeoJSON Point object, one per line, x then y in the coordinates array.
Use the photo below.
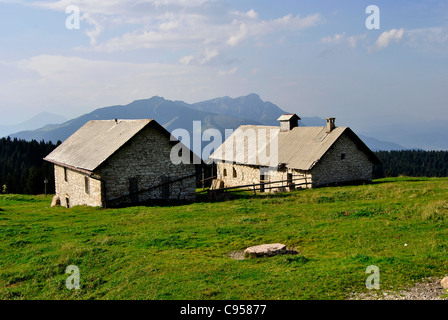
{"type": "Point", "coordinates": [181, 252]}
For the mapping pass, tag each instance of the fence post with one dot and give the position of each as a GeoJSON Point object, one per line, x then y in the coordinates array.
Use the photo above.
{"type": "Point", "coordinates": [203, 179]}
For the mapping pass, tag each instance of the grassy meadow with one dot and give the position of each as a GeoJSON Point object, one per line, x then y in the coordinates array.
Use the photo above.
{"type": "Point", "coordinates": [182, 252]}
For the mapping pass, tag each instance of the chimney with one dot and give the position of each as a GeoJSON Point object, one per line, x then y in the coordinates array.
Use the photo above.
{"type": "Point", "coordinates": [288, 122]}
{"type": "Point", "coordinates": [330, 124]}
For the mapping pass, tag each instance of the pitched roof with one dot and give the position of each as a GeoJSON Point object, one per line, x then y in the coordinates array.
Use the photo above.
{"type": "Point", "coordinates": [286, 117]}
{"type": "Point", "coordinates": [96, 141]}
{"type": "Point", "coordinates": [300, 148]}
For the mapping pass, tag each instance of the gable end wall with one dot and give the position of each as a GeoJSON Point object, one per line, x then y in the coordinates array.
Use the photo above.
{"type": "Point", "coordinates": [356, 166]}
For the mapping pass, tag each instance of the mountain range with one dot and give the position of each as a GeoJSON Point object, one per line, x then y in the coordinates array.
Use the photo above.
{"type": "Point", "coordinates": [220, 113]}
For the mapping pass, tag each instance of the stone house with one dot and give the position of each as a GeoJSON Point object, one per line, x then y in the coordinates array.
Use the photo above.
{"type": "Point", "coordinates": [306, 157]}
{"type": "Point", "coordinates": [114, 162]}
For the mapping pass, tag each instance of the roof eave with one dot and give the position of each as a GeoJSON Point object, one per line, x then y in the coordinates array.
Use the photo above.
{"type": "Point", "coordinates": [81, 170]}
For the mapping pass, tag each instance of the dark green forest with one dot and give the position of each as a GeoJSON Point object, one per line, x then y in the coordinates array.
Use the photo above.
{"type": "Point", "coordinates": [23, 171]}
{"type": "Point", "coordinates": [412, 163]}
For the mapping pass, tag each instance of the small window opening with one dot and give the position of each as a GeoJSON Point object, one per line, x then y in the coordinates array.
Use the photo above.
{"type": "Point", "coordinates": [87, 185]}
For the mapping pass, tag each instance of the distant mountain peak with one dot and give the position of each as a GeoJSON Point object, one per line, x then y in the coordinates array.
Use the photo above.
{"type": "Point", "coordinates": [253, 96]}
{"type": "Point", "coordinates": [156, 99]}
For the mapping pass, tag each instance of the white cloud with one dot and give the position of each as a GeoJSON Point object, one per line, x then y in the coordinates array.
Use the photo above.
{"type": "Point", "coordinates": [75, 85]}
{"type": "Point", "coordinates": [342, 38]}
{"type": "Point", "coordinates": [186, 60]}
{"type": "Point", "coordinates": [251, 14]}
{"type": "Point", "coordinates": [172, 24]}
{"type": "Point", "coordinates": [94, 33]}
{"type": "Point", "coordinates": [203, 58]}
{"type": "Point", "coordinates": [105, 14]}
{"type": "Point", "coordinates": [238, 37]}
{"type": "Point", "coordinates": [426, 36]}
{"type": "Point", "coordinates": [387, 37]}
{"type": "Point", "coordinates": [231, 71]}
{"type": "Point", "coordinates": [421, 38]}
{"type": "Point", "coordinates": [209, 55]}
{"type": "Point", "coordinates": [297, 23]}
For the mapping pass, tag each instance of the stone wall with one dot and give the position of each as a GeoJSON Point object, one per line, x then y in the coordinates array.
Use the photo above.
{"type": "Point", "coordinates": [146, 158]}
{"type": "Point", "coordinates": [236, 175]}
{"type": "Point", "coordinates": [74, 189]}
{"type": "Point", "coordinates": [300, 179]}
{"type": "Point", "coordinates": [344, 162]}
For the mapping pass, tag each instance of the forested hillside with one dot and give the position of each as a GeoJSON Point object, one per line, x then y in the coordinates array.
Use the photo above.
{"type": "Point", "coordinates": [412, 164]}
{"type": "Point", "coordinates": [22, 169]}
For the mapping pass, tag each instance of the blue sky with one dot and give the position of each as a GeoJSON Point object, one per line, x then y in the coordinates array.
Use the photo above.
{"type": "Point", "coordinates": [314, 58]}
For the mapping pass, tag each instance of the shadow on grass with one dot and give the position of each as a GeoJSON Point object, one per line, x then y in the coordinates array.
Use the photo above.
{"type": "Point", "coordinates": [240, 194]}
{"type": "Point", "coordinates": [243, 195]}
{"type": "Point", "coordinates": [400, 179]}
{"type": "Point", "coordinates": [208, 196]}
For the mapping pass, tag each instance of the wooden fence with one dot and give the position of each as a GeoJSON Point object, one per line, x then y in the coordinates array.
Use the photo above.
{"type": "Point", "coordinates": [262, 186]}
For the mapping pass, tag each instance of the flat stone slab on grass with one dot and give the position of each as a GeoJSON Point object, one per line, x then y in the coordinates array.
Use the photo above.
{"type": "Point", "coordinates": [264, 250]}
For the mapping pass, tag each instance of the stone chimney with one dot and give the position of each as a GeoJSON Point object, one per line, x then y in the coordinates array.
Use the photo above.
{"type": "Point", "coordinates": [330, 124]}
{"type": "Point", "coordinates": [288, 122]}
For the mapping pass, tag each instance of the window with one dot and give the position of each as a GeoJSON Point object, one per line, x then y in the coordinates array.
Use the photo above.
{"type": "Point", "coordinates": [342, 156]}
{"type": "Point", "coordinates": [133, 190]}
{"type": "Point", "coordinates": [224, 173]}
{"type": "Point", "coordinates": [65, 174]}
{"type": "Point", "coordinates": [234, 173]}
{"type": "Point", "coordinates": [87, 184]}
{"type": "Point", "coordinates": [67, 201]}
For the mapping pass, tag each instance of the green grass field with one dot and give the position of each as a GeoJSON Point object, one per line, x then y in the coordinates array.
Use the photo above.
{"type": "Point", "coordinates": [181, 252]}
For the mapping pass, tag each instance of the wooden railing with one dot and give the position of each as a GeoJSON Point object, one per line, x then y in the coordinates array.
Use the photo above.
{"type": "Point", "coordinates": [263, 185]}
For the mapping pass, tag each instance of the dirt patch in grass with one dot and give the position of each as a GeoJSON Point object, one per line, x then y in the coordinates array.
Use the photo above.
{"type": "Point", "coordinates": [428, 289]}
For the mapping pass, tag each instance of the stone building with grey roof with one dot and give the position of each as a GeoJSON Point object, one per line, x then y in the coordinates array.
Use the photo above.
{"type": "Point", "coordinates": [305, 157]}
{"type": "Point", "coordinates": [114, 162]}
